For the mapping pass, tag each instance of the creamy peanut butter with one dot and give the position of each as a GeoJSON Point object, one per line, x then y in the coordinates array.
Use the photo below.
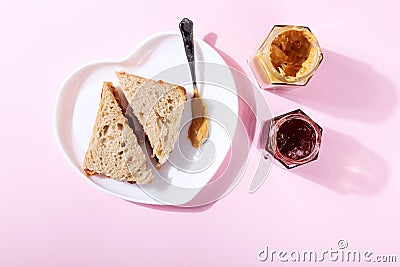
{"type": "Point", "coordinates": [288, 56]}
{"type": "Point", "coordinates": [289, 50]}
{"type": "Point", "coordinates": [198, 130]}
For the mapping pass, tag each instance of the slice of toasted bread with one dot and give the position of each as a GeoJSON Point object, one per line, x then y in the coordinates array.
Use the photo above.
{"type": "Point", "coordinates": [113, 149]}
{"type": "Point", "coordinates": [158, 106]}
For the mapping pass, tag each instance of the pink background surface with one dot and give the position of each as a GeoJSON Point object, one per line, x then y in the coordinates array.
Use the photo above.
{"type": "Point", "coordinates": [52, 217]}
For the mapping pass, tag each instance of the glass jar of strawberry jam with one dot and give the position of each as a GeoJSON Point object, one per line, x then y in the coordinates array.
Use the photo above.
{"type": "Point", "coordinates": [294, 139]}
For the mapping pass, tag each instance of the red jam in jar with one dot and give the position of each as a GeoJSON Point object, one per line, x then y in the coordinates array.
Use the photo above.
{"type": "Point", "coordinates": [294, 139]}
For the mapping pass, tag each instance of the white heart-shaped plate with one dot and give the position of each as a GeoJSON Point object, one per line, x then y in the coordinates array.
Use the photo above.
{"type": "Point", "coordinates": [78, 100]}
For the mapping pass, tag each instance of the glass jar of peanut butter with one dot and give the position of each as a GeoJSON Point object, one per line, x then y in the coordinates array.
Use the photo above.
{"type": "Point", "coordinates": [289, 55]}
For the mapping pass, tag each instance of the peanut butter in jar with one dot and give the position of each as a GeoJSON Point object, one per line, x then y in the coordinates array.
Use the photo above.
{"type": "Point", "coordinates": [289, 55]}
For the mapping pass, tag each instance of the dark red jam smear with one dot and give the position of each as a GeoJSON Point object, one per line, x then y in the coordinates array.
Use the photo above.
{"type": "Point", "coordinates": [296, 139]}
